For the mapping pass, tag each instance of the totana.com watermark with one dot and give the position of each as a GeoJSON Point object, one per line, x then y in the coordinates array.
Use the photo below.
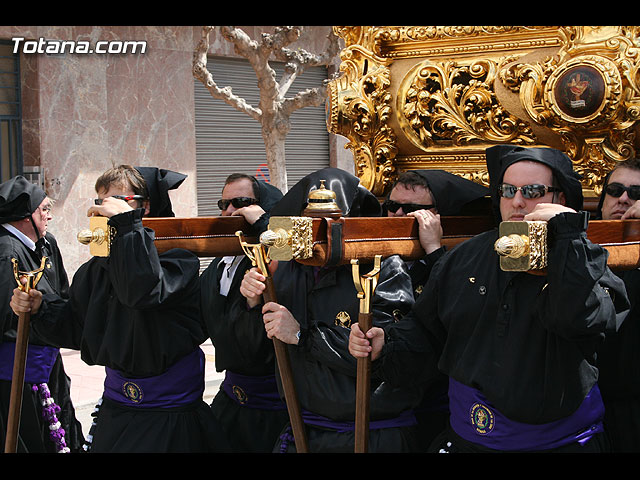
{"type": "Point", "coordinates": [60, 47]}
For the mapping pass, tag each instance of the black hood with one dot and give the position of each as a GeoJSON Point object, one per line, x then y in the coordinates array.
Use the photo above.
{"type": "Point", "coordinates": [451, 192]}
{"type": "Point", "coordinates": [268, 195]}
{"type": "Point", "coordinates": [501, 157]}
{"type": "Point", "coordinates": [598, 214]}
{"type": "Point", "coordinates": [353, 199]}
{"type": "Point", "coordinates": [159, 182]}
{"type": "Point", "coordinates": [19, 198]}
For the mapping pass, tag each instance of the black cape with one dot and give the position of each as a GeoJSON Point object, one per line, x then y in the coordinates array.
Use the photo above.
{"type": "Point", "coordinates": [34, 434]}
{"type": "Point", "coordinates": [324, 301]}
{"type": "Point", "coordinates": [138, 312]}
{"type": "Point", "coordinates": [527, 342]}
{"type": "Point", "coordinates": [619, 365]}
{"type": "Point", "coordinates": [19, 198]}
{"type": "Point", "coordinates": [241, 346]}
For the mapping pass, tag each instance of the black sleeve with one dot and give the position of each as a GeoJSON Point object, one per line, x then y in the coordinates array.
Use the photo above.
{"type": "Point", "coordinates": [141, 278]}
{"type": "Point", "coordinates": [583, 298]}
{"type": "Point", "coordinates": [238, 334]}
{"type": "Point", "coordinates": [392, 299]}
{"type": "Point", "coordinates": [413, 345]}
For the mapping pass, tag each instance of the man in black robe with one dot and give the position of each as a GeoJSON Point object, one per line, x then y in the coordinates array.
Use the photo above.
{"type": "Point", "coordinates": [248, 405]}
{"type": "Point", "coordinates": [519, 348]}
{"type": "Point", "coordinates": [314, 311]}
{"type": "Point", "coordinates": [137, 312]}
{"type": "Point", "coordinates": [427, 195]}
{"type": "Point", "coordinates": [619, 357]}
{"type": "Point", "coordinates": [25, 211]}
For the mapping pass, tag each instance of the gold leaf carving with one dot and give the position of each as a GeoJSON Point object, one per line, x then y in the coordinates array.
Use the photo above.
{"type": "Point", "coordinates": [455, 102]}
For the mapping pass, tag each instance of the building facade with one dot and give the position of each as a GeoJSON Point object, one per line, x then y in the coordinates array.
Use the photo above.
{"type": "Point", "coordinates": [68, 116]}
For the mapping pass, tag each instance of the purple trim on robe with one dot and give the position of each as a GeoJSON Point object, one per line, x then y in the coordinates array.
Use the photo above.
{"type": "Point", "coordinates": [476, 420]}
{"type": "Point", "coordinates": [182, 384]}
{"type": "Point", "coordinates": [40, 361]}
{"type": "Point", "coordinates": [253, 391]}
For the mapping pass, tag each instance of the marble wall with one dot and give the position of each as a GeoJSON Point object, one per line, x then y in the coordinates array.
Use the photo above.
{"type": "Point", "coordinates": [83, 113]}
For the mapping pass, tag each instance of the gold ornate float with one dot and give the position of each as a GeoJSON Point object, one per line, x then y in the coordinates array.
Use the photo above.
{"type": "Point", "coordinates": [438, 96]}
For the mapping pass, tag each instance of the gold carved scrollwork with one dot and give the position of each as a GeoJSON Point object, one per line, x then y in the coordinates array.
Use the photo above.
{"type": "Point", "coordinates": [455, 102]}
{"type": "Point", "coordinates": [588, 94]}
{"type": "Point", "coordinates": [438, 96]}
{"type": "Point", "coordinates": [359, 109]}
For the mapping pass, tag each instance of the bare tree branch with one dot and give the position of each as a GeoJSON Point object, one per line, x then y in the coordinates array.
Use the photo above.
{"type": "Point", "coordinates": [312, 97]}
{"type": "Point", "coordinates": [201, 72]}
{"type": "Point", "coordinates": [297, 61]}
{"type": "Point", "coordinates": [274, 109]}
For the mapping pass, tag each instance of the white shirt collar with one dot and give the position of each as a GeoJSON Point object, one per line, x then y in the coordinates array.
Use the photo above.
{"type": "Point", "coordinates": [21, 236]}
{"type": "Point", "coordinates": [230, 265]}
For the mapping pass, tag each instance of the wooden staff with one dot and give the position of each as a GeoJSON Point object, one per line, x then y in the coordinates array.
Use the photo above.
{"type": "Point", "coordinates": [259, 258]}
{"type": "Point", "coordinates": [20, 358]}
{"type": "Point", "coordinates": [365, 286]}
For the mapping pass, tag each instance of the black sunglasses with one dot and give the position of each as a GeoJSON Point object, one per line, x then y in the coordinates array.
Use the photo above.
{"type": "Point", "coordinates": [126, 198]}
{"type": "Point", "coordinates": [237, 202]}
{"type": "Point", "coordinates": [406, 207]}
{"type": "Point", "coordinates": [528, 191]}
{"type": "Point", "coordinates": [617, 189]}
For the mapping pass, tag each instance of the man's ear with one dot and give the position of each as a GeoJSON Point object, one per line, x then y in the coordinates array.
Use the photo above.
{"type": "Point", "coordinates": [146, 204]}
{"type": "Point", "coordinates": [562, 200]}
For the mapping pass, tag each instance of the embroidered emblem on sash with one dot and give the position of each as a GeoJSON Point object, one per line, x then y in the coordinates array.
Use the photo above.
{"type": "Point", "coordinates": [343, 319]}
{"type": "Point", "coordinates": [132, 392]}
{"type": "Point", "coordinates": [482, 418]}
{"type": "Point", "coordinates": [240, 394]}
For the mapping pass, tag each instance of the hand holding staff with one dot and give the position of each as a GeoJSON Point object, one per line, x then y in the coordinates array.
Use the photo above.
{"type": "Point", "coordinates": [20, 357]}
{"type": "Point", "coordinates": [259, 259]}
{"type": "Point", "coordinates": [365, 286]}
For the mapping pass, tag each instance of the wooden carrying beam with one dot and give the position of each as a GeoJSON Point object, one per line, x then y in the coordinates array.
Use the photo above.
{"type": "Point", "coordinates": [338, 241]}
{"type": "Point", "coordinates": [204, 236]}
{"type": "Point", "coordinates": [621, 238]}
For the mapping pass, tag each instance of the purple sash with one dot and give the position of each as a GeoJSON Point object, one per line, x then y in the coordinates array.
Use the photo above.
{"type": "Point", "coordinates": [476, 420]}
{"type": "Point", "coordinates": [405, 419]}
{"type": "Point", "coordinates": [40, 360]}
{"type": "Point", "coordinates": [182, 384]}
{"type": "Point", "coordinates": [253, 392]}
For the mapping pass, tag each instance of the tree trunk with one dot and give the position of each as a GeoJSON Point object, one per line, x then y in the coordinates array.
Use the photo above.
{"type": "Point", "coordinates": [274, 143]}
